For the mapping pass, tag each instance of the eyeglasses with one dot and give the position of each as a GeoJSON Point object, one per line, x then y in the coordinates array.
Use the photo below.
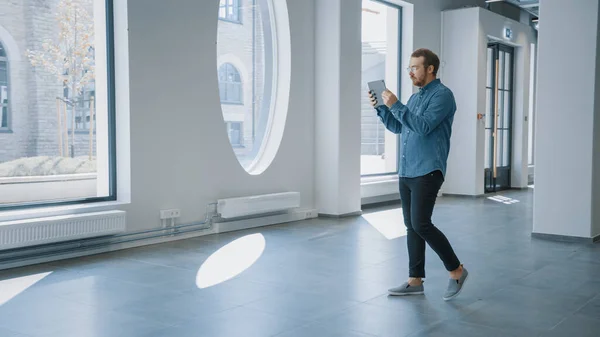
{"type": "Point", "coordinates": [412, 69]}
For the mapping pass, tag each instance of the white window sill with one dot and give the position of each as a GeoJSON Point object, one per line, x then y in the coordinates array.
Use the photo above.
{"type": "Point", "coordinates": [379, 186]}
{"type": "Point", "coordinates": [49, 211]}
{"type": "Point", "coordinates": [379, 179]}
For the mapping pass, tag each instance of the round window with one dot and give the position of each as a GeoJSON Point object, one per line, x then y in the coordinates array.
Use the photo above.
{"type": "Point", "coordinates": [253, 65]}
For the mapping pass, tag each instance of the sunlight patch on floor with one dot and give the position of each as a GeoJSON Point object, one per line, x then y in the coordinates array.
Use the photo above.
{"type": "Point", "coordinates": [389, 223]}
{"type": "Point", "coordinates": [11, 288]}
{"type": "Point", "coordinates": [230, 260]}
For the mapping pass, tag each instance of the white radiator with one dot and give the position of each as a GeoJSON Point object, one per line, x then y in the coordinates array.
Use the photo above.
{"type": "Point", "coordinates": [30, 232]}
{"type": "Point", "coordinates": [258, 204]}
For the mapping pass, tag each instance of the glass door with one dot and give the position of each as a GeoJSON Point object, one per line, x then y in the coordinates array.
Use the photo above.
{"type": "Point", "coordinates": [498, 125]}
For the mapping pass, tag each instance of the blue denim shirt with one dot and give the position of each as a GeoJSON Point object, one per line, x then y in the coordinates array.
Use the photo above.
{"type": "Point", "coordinates": [425, 127]}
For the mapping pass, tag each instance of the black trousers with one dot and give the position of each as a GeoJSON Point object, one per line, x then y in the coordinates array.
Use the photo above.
{"type": "Point", "coordinates": [418, 197]}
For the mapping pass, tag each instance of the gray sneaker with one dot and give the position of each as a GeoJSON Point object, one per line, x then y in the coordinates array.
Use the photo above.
{"type": "Point", "coordinates": [406, 289]}
{"type": "Point", "coordinates": [456, 286]}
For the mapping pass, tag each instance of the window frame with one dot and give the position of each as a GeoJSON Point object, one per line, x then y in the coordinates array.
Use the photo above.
{"type": "Point", "coordinates": [266, 132]}
{"type": "Point", "coordinates": [239, 84]}
{"type": "Point", "coordinates": [237, 8]}
{"type": "Point", "coordinates": [400, 74]}
{"type": "Point", "coordinates": [241, 135]}
{"type": "Point", "coordinates": [112, 141]}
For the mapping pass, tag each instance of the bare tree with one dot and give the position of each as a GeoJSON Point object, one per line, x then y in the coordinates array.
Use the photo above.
{"type": "Point", "coordinates": [70, 55]}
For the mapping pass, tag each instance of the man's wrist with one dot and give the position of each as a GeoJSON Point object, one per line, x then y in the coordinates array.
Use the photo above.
{"type": "Point", "coordinates": [397, 105]}
{"type": "Point", "coordinates": [396, 108]}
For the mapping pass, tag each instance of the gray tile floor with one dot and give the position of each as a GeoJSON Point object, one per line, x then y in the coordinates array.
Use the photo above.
{"type": "Point", "coordinates": [323, 277]}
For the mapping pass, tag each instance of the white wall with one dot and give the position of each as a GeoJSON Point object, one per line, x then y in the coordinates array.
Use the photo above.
{"type": "Point", "coordinates": [180, 153]}
{"type": "Point", "coordinates": [428, 26]}
{"type": "Point", "coordinates": [467, 32]}
{"type": "Point", "coordinates": [461, 58]}
{"type": "Point", "coordinates": [174, 93]}
{"type": "Point", "coordinates": [565, 199]}
{"type": "Point", "coordinates": [337, 109]}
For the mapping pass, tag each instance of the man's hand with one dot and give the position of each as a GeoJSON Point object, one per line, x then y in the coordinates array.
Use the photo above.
{"type": "Point", "coordinates": [389, 98]}
{"type": "Point", "coordinates": [372, 98]}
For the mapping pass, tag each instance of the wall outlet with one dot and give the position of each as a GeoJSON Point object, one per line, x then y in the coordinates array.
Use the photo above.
{"type": "Point", "coordinates": [311, 214]}
{"type": "Point", "coordinates": [170, 213]}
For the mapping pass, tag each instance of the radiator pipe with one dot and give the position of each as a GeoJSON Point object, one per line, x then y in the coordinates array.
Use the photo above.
{"type": "Point", "coordinates": [207, 220]}
{"type": "Point", "coordinates": [87, 244]}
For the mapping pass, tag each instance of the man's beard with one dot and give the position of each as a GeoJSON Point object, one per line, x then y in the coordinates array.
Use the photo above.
{"type": "Point", "coordinates": [418, 82]}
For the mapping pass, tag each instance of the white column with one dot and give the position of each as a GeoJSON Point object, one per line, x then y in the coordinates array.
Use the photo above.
{"type": "Point", "coordinates": [567, 138]}
{"type": "Point", "coordinates": [522, 94]}
{"type": "Point", "coordinates": [462, 39]}
{"type": "Point", "coordinates": [337, 106]}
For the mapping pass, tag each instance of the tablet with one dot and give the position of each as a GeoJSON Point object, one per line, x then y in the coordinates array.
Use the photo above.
{"type": "Point", "coordinates": [377, 88]}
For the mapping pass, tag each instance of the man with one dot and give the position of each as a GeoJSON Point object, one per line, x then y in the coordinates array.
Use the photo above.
{"type": "Point", "coordinates": [425, 126]}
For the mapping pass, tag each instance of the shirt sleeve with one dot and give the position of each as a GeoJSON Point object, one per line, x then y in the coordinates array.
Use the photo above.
{"type": "Point", "coordinates": [440, 106]}
{"type": "Point", "coordinates": [388, 119]}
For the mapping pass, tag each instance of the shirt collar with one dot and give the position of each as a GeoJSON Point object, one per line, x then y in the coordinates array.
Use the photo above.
{"type": "Point", "coordinates": [429, 85]}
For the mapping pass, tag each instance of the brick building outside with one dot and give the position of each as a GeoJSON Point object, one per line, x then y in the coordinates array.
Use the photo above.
{"type": "Point", "coordinates": [245, 68]}
{"type": "Point", "coordinates": [29, 121]}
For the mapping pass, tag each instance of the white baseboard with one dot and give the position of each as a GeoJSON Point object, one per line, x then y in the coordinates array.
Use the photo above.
{"type": "Point", "coordinates": [218, 227]}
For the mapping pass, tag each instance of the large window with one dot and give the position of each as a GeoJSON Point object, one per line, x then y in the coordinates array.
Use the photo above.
{"type": "Point", "coordinates": [381, 22]}
{"type": "Point", "coordinates": [3, 89]}
{"type": "Point", "coordinates": [249, 99]}
{"type": "Point", "coordinates": [60, 148]}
